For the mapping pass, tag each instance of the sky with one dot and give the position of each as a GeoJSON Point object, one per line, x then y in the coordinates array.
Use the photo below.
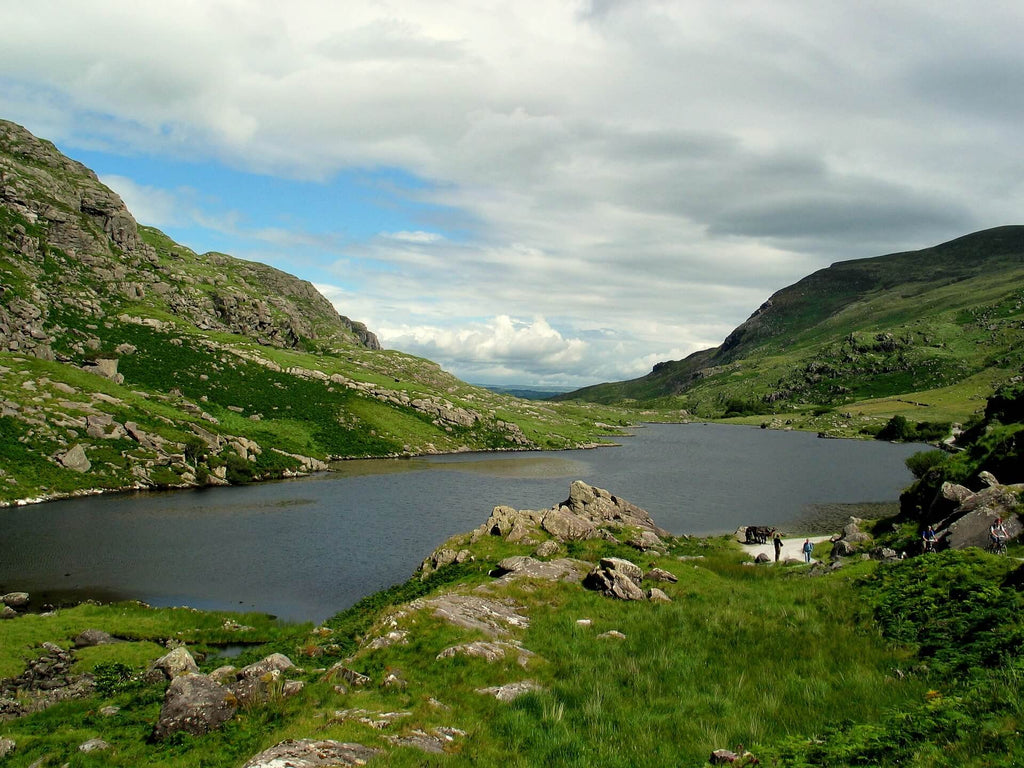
{"type": "Point", "coordinates": [540, 193]}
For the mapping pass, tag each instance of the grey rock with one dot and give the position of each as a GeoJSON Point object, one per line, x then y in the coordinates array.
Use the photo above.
{"type": "Point", "coordinates": [177, 662]}
{"type": "Point", "coordinates": [511, 691]}
{"type": "Point", "coordinates": [310, 753]}
{"type": "Point", "coordinates": [90, 637]}
{"type": "Point", "coordinates": [524, 566]}
{"type": "Point", "coordinates": [492, 617]}
{"type": "Point", "coordinates": [75, 459]}
{"type": "Point", "coordinates": [274, 662]}
{"type": "Point", "coordinates": [350, 676]}
{"type": "Point", "coordinates": [194, 704]}
{"type": "Point", "coordinates": [616, 577]}
{"type": "Point", "coordinates": [565, 526]}
{"type": "Point", "coordinates": [431, 743]}
{"type": "Point", "coordinates": [93, 745]}
{"type": "Point", "coordinates": [547, 549]}
{"type": "Point", "coordinates": [659, 574]}
{"type": "Point", "coordinates": [657, 596]}
{"type": "Point", "coordinates": [15, 599]}
{"type": "Point", "coordinates": [488, 651]}
{"type": "Point", "coordinates": [7, 746]}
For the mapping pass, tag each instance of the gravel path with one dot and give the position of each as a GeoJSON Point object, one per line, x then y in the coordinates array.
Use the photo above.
{"type": "Point", "coordinates": [791, 548]}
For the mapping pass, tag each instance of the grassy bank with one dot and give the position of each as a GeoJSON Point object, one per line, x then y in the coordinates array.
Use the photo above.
{"type": "Point", "coordinates": [800, 669]}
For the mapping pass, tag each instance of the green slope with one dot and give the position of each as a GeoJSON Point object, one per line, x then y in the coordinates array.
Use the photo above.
{"type": "Point", "coordinates": [941, 324]}
{"type": "Point", "coordinates": [128, 360]}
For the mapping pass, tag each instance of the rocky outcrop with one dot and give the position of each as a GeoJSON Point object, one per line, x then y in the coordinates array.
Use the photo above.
{"type": "Point", "coordinates": [67, 228]}
{"type": "Point", "coordinates": [588, 513]}
{"type": "Point", "coordinates": [969, 523]}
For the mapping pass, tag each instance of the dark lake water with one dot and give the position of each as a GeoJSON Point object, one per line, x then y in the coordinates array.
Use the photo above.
{"type": "Point", "coordinates": [305, 549]}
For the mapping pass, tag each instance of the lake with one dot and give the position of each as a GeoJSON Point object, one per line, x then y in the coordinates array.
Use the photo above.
{"type": "Point", "coordinates": [304, 549]}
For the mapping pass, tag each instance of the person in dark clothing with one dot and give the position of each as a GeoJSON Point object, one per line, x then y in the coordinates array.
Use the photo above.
{"type": "Point", "coordinates": [777, 541]}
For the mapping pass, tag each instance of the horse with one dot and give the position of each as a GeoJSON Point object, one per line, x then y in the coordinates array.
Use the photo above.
{"type": "Point", "coordinates": [759, 534]}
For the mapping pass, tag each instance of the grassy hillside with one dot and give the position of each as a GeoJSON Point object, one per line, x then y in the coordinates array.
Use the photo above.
{"type": "Point", "coordinates": [913, 663]}
{"type": "Point", "coordinates": [926, 334]}
{"type": "Point", "coordinates": [128, 360]}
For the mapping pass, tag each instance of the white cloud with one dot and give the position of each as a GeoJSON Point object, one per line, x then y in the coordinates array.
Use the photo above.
{"type": "Point", "coordinates": [150, 205]}
{"type": "Point", "coordinates": [652, 167]}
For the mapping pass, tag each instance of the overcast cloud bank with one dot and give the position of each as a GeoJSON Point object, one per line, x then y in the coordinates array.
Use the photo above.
{"type": "Point", "coordinates": [566, 192]}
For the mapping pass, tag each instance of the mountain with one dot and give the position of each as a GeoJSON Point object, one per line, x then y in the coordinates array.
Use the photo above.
{"type": "Point", "coordinates": [128, 360]}
{"type": "Point", "coordinates": [939, 327]}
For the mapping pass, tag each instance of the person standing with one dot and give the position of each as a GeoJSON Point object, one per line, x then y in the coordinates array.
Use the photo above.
{"type": "Point", "coordinates": [807, 548]}
{"type": "Point", "coordinates": [777, 541]}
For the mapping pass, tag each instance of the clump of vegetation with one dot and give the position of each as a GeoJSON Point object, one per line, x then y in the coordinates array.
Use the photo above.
{"type": "Point", "coordinates": [989, 445]}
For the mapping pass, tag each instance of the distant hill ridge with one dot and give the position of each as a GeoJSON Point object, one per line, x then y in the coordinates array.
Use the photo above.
{"type": "Point", "coordinates": [129, 361]}
{"type": "Point", "coordinates": [864, 329]}
{"type": "Point", "coordinates": [73, 225]}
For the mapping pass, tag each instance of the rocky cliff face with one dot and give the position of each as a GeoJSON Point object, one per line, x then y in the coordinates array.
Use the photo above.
{"type": "Point", "coordinates": [68, 244]}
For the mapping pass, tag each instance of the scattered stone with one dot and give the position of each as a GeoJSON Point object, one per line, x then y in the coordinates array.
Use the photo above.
{"type": "Point", "coordinates": [511, 691]}
{"type": "Point", "coordinates": [90, 637]}
{"type": "Point", "coordinates": [546, 549]}
{"type": "Point", "coordinates": [350, 676]}
{"type": "Point", "coordinates": [659, 574]}
{"type": "Point", "coordinates": [432, 743]}
{"type": "Point", "coordinates": [110, 710]}
{"type": "Point", "coordinates": [583, 622]}
{"type": "Point", "coordinates": [489, 651]}
{"type": "Point", "coordinates": [310, 753]}
{"type": "Point", "coordinates": [395, 679]}
{"type": "Point", "coordinates": [378, 720]}
{"type": "Point", "coordinates": [8, 613]}
{"type": "Point", "coordinates": [93, 745]}
{"type": "Point", "coordinates": [611, 634]}
{"type": "Point", "coordinates": [394, 637]}
{"type": "Point", "coordinates": [7, 746]}
{"type": "Point", "coordinates": [75, 459]}
{"type": "Point", "coordinates": [656, 595]}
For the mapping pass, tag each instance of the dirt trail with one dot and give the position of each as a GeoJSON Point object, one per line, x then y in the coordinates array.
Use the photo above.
{"type": "Point", "coordinates": [790, 548]}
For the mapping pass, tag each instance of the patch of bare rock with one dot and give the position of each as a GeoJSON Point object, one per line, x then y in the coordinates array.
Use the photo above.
{"type": "Point", "coordinates": [311, 753]}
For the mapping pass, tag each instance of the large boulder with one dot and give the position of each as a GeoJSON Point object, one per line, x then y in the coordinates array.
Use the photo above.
{"type": "Point", "coordinates": [968, 525]}
{"type": "Point", "coordinates": [15, 599]}
{"type": "Point", "coordinates": [194, 704]}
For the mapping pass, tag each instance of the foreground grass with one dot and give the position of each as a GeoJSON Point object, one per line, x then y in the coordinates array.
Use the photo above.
{"type": "Point", "coordinates": [802, 670]}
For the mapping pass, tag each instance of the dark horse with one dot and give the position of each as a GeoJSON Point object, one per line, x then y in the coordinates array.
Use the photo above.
{"type": "Point", "coordinates": [759, 534]}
